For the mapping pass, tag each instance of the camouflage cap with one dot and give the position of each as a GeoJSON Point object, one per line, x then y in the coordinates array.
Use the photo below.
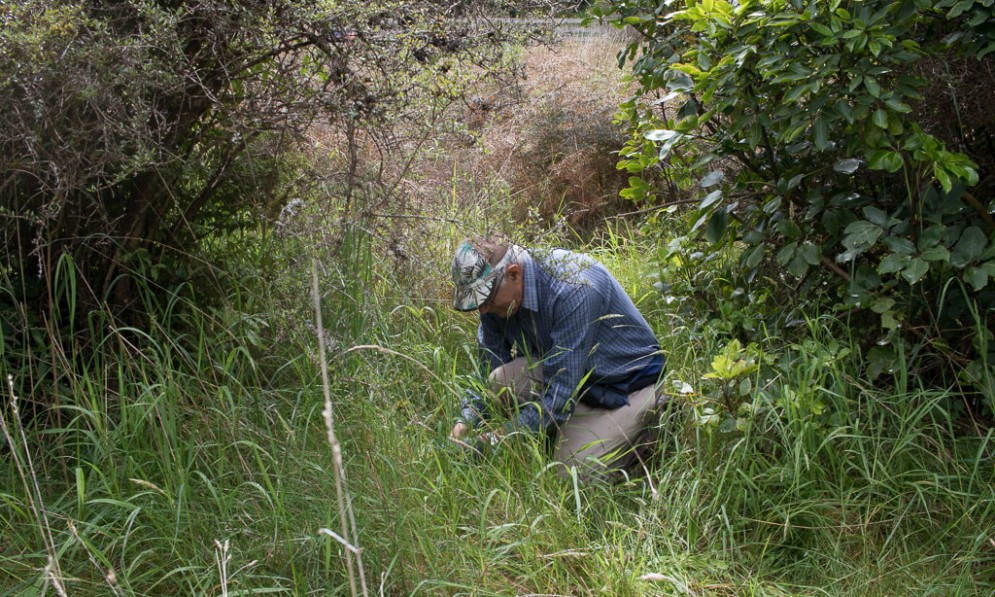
{"type": "Point", "coordinates": [475, 279]}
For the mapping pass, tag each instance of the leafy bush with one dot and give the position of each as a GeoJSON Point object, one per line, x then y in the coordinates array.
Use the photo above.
{"type": "Point", "coordinates": [807, 129]}
{"type": "Point", "coordinates": [137, 137]}
{"type": "Point", "coordinates": [149, 125]}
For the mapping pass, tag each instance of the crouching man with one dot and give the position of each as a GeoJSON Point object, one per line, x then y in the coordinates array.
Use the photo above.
{"type": "Point", "coordinates": [566, 349]}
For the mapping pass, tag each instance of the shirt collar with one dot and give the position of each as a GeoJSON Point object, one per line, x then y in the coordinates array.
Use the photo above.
{"type": "Point", "coordinates": [530, 294]}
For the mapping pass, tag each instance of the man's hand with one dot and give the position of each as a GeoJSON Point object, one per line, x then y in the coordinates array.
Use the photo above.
{"type": "Point", "coordinates": [459, 430]}
{"type": "Point", "coordinates": [491, 438]}
{"type": "Point", "coordinates": [478, 447]}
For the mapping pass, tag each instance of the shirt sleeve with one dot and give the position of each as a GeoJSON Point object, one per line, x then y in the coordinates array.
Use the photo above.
{"type": "Point", "coordinates": [566, 364]}
{"type": "Point", "coordinates": [493, 349]}
{"type": "Point", "coordinates": [473, 409]}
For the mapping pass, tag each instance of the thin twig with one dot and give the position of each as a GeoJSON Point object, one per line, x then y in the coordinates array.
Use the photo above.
{"type": "Point", "coordinates": [52, 577]}
{"type": "Point", "coordinates": [415, 217]}
{"type": "Point", "coordinates": [109, 575]}
{"type": "Point", "coordinates": [978, 207]}
{"type": "Point", "coordinates": [32, 490]}
{"type": "Point", "coordinates": [345, 504]}
{"type": "Point", "coordinates": [337, 537]}
{"type": "Point", "coordinates": [659, 207]}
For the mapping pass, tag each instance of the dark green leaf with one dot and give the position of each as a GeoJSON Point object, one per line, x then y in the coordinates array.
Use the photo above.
{"type": "Point", "coordinates": [970, 246]}
{"type": "Point", "coordinates": [843, 109]}
{"type": "Point", "coordinates": [798, 266]}
{"type": "Point", "coordinates": [810, 252]}
{"type": "Point", "coordinates": [880, 118]}
{"type": "Point", "coordinates": [960, 8]}
{"type": "Point", "coordinates": [943, 177]}
{"type": "Point", "coordinates": [861, 234]}
{"type": "Point", "coordinates": [821, 133]}
{"type": "Point", "coordinates": [789, 229]}
{"type": "Point", "coordinates": [931, 236]}
{"type": "Point", "coordinates": [882, 304]}
{"type": "Point", "coordinates": [796, 92]}
{"type": "Point", "coordinates": [872, 86]}
{"type": "Point", "coordinates": [892, 263]}
{"type": "Point", "coordinates": [883, 159]}
{"type": "Point", "coordinates": [728, 425]}
{"type": "Point", "coordinates": [897, 106]}
{"type": "Point", "coordinates": [716, 228]}
{"type": "Point", "coordinates": [938, 253]}
{"type": "Point", "coordinates": [902, 246]}
{"type": "Point", "coordinates": [888, 320]}
{"type": "Point", "coordinates": [977, 277]}
{"type": "Point", "coordinates": [710, 199]}
{"type": "Point", "coordinates": [821, 29]}
{"type": "Point", "coordinates": [755, 255]}
{"type": "Point", "coordinates": [712, 178]}
{"type": "Point", "coordinates": [846, 166]}
{"type": "Point", "coordinates": [875, 215]}
{"type": "Point", "coordinates": [786, 254]}
{"type": "Point", "coordinates": [881, 359]}
{"type": "Point", "coordinates": [915, 270]}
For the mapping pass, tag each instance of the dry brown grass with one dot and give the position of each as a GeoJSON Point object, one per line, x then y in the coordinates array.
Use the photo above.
{"type": "Point", "coordinates": [545, 145]}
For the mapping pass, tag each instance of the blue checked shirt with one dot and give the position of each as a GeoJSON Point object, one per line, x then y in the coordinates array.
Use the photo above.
{"type": "Point", "coordinates": [576, 318]}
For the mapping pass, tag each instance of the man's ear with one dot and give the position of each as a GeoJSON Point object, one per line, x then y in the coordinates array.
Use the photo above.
{"type": "Point", "coordinates": [514, 272]}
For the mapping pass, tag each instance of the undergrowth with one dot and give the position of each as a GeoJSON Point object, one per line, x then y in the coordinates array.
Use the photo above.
{"type": "Point", "coordinates": [189, 455]}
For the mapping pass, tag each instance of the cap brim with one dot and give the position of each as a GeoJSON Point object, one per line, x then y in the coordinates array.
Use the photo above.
{"type": "Point", "coordinates": [470, 299]}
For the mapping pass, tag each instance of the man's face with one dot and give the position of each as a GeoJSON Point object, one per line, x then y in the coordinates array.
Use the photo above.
{"type": "Point", "coordinates": [508, 297]}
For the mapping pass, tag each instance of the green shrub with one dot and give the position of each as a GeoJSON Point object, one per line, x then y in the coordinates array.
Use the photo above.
{"type": "Point", "coordinates": [807, 128]}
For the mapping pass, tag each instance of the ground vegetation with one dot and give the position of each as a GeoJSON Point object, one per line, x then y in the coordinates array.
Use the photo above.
{"type": "Point", "coordinates": [284, 432]}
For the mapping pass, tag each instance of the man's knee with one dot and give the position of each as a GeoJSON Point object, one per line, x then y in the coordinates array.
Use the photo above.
{"type": "Point", "coordinates": [501, 377]}
{"type": "Point", "coordinates": [516, 378]}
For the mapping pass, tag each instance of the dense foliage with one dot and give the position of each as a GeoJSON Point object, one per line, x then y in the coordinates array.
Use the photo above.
{"type": "Point", "coordinates": [190, 454]}
{"type": "Point", "coordinates": [847, 145]}
{"type": "Point", "coordinates": [133, 130]}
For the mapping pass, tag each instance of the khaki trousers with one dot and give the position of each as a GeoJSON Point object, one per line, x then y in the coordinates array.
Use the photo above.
{"type": "Point", "coordinates": [592, 438]}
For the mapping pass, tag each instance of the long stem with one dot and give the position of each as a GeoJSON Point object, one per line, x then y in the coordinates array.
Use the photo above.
{"type": "Point", "coordinates": [345, 504]}
{"type": "Point", "coordinates": [32, 490]}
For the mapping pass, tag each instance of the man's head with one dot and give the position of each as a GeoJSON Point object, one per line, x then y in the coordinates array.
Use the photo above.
{"type": "Point", "coordinates": [487, 277]}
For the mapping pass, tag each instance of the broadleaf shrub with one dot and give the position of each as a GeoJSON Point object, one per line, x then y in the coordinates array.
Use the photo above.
{"type": "Point", "coordinates": [806, 126]}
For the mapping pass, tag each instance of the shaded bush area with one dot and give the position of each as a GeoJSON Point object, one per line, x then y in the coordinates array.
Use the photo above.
{"type": "Point", "coordinates": [138, 137]}
{"type": "Point", "coordinates": [846, 146]}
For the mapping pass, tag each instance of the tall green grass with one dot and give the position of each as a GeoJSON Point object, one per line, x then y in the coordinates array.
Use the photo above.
{"type": "Point", "coordinates": [188, 456]}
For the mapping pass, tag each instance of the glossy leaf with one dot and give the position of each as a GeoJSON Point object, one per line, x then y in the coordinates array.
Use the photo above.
{"type": "Point", "coordinates": [970, 246]}
{"type": "Point", "coordinates": [915, 270]}
{"type": "Point", "coordinates": [712, 178]}
{"type": "Point", "coordinates": [846, 166]}
{"type": "Point", "coordinates": [861, 234]}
